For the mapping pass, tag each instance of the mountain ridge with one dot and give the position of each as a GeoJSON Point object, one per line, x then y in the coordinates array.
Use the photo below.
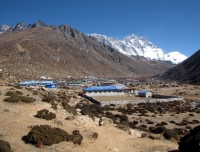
{"type": "Point", "coordinates": [188, 71]}
{"type": "Point", "coordinates": [64, 51]}
{"type": "Point", "coordinates": [140, 46]}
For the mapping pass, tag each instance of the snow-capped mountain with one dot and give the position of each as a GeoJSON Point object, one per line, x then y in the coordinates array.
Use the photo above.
{"type": "Point", "coordinates": [20, 26]}
{"type": "Point", "coordinates": [134, 45]}
{"type": "Point", "coordinates": [5, 28]}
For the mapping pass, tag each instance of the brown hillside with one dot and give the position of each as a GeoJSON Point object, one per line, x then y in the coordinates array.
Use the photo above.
{"type": "Point", "coordinates": [188, 71]}
{"type": "Point", "coordinates": [62, 51]}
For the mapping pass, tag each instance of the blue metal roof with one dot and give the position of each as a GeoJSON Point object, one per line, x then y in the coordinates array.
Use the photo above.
{"type": "Point", "coordinates": [35, 82]}
{"type": "Point", "coordinates": [102, 88]}
{"type": "Point", "coordinates": [143, 91]}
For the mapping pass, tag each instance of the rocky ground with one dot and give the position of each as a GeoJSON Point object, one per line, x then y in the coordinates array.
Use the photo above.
{"type": "Point", "coordinates": [17, 119]}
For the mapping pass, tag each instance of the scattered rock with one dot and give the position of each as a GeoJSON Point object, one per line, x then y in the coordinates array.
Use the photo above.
{"type": "Point", "coordinates": [136, 133]}
{"type": "Point", "coordinates": [155, 136]}
{"type": "Point", "coordinates": [70, 118]}
{"type": "Point", "coordinates": [105, 121]}
{"type": "Point", "coordinates": [58, 122]}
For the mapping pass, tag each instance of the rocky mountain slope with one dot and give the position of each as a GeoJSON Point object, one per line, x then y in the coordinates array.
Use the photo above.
{"type": "Point", "coordinates": [187, 71]}
{"type": "Point", "coordinates": [140, 46]}
{"type": "Point", "coordinates": [38, 49]}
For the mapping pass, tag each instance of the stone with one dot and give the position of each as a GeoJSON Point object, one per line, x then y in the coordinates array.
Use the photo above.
{"type": "Point", "coordinates": [105, 121]}
{"type": "Point", "coordinates": [191, 141]}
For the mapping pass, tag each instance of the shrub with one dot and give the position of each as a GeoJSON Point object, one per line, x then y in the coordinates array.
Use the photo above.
{"type": "Point", "coordinates": [48, 136]}
{"type": "Point", "coordinates": [172, 122]}
{"type": "Point", "coordinates": [10, 93]}
{"type": "Point", "coordinates": [191, 114]}
{"type": "Point", "coordinates": [143, 128]}
{"type": "Point", "coordinates": [76, 137]}
{"type": "Point", "coordinates": [195, 121]}
{"type": "Point", "coordinates": [168, 133]}
{"type": "Point", "coordinates": [54, 105]}
{"type": "Point", "coordinates": [5, 146]}
{"type": "Point", "coordinates": [150, 122]}
{"type": "Point", "coordinates": [18, 93]}
{"type": "Point", "coordinates": [95, 135]}
{"type": "Point", "coordinates": [163, 123]}
{"type": "Point", "coordinates": [92, 110]}
{"type": "Point", "coordinates": [157, 130]}
{"type": "Point", "coordinates": [26, 99]}
{"type": "Point", "coordinates": [17, 87]}
{"type": "Point", "coordinates": [35, 93]}
{"type": "Point", "coordinates": [19, 98]}
{"type": "Point", "coordinates": [69, 108]}
{"type": "Point", "coordinates": [48, 99]}
{"type": "Point", "coordinates": [45, 114]}
{"type": "Point", "coordinates": [12, 99]}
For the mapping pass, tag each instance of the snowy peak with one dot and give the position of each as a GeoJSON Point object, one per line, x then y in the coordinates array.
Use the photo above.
{"type": "Point", "coordinates": [20, 26]}
{"type": "Point", "coordinates": [5, 28]}
{"type": "Point", "coordinates": [140, 46]}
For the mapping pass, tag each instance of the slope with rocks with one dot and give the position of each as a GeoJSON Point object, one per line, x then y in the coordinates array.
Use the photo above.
{"type": "Point", "coordinates": [62, 51]}
{"type": "Point", "coordinates": [187, 71]}
{"type": "Point", "coordinates": [140, 46]}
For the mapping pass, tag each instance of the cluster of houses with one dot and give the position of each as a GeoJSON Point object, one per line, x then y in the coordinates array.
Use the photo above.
{"type": "Point", "coordinates": [114, 89]}
{"type": "Point", "coordinates": [43, 83]}
{"type": "Point", "coordinates": [90, 86]}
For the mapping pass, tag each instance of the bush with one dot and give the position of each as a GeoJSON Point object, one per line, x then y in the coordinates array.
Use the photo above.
{"type": "Point", "coordinates": [195, 121]}
{"type": "Point", "coordinates": [163, 123]}
{"type": "Point", "coordinates": [92, 110]}
{"type": "Point", "coordinates": [191, 114]}
{"type": "Point", "coordinates": [5, 146]}
{"type": "Point", "coordinates": [48, 99]}
{"type": "Point", "coordinates": [77, 137]}
{"type": "Point", "coordinates": [48, 136]}
{"type": "Point", "coordinates": [12, 99]}
{"type": "Point", "coordinates": [18, 93]}
{"type": "Point", "coordinates": [168, 134]}
{"type": "Point", "coordinates": [10, 93]}
{"type": "Point", "coordinates": [19, 98]}
{"type": "Point", "coordinates": [143, 128]}
{"type": "Point", "coordinates": [157, 130]}
{"type": "Point", "coordinates": [26, 99]}
{"type": "Point", "coordinates": [69, 108]}
{"type": "Point", "coordinates": [54, 105]}
{"type": "Point", "coordinates": [45, 114]}
{"type": "Point", "coordinates": [150, 122]}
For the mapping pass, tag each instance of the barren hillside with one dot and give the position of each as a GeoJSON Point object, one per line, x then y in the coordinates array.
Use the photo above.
{"type": "Point", "coordinates": [62, 51]}
{"type": "Point", "coordinates": [188, 71]}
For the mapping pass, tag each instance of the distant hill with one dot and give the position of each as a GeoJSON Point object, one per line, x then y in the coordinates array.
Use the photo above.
{"type": "Point", "coordinates": [188, 71]}
{"type": "Point", "coordinates": [37, 50]}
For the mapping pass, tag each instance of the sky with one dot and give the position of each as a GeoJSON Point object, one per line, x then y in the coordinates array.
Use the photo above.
{"type": "Point", "coordinates": [173, 25]}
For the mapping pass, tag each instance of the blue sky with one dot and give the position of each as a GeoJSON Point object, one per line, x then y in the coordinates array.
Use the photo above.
{"type": "Point", "coordinates": [173, 25]}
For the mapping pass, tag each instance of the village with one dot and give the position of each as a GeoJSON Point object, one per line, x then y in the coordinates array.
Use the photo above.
{"type": "Point", "coordinates": [105, 91]}
{"type": "Point", "coordinates": [132, 109]}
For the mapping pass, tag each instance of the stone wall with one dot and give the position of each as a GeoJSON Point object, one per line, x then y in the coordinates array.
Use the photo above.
{"type": "Point", "coordinates": [111, 93]}
{"type": "Point", "coordinates": [103, 103]}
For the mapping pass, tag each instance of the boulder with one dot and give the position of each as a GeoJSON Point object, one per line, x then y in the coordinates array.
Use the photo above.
{"type": "Point", "coordinates": [191, 141]}
{"type": "Point", "coordinates": [105, 121]}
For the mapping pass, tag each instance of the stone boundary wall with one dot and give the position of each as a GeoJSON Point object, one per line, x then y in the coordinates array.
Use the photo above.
{"type": "Point", "coordinates": [104, 103]}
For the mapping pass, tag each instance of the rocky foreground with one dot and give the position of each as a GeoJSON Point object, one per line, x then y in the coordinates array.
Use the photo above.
{"type": "Point", "coordinates": [83, 132]}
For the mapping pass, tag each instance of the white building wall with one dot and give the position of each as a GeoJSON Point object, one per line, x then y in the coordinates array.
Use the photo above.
{"type": "Point", "coordinates": [105, 93]}
{"type": "Point", "coordinates": [148, 94]}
